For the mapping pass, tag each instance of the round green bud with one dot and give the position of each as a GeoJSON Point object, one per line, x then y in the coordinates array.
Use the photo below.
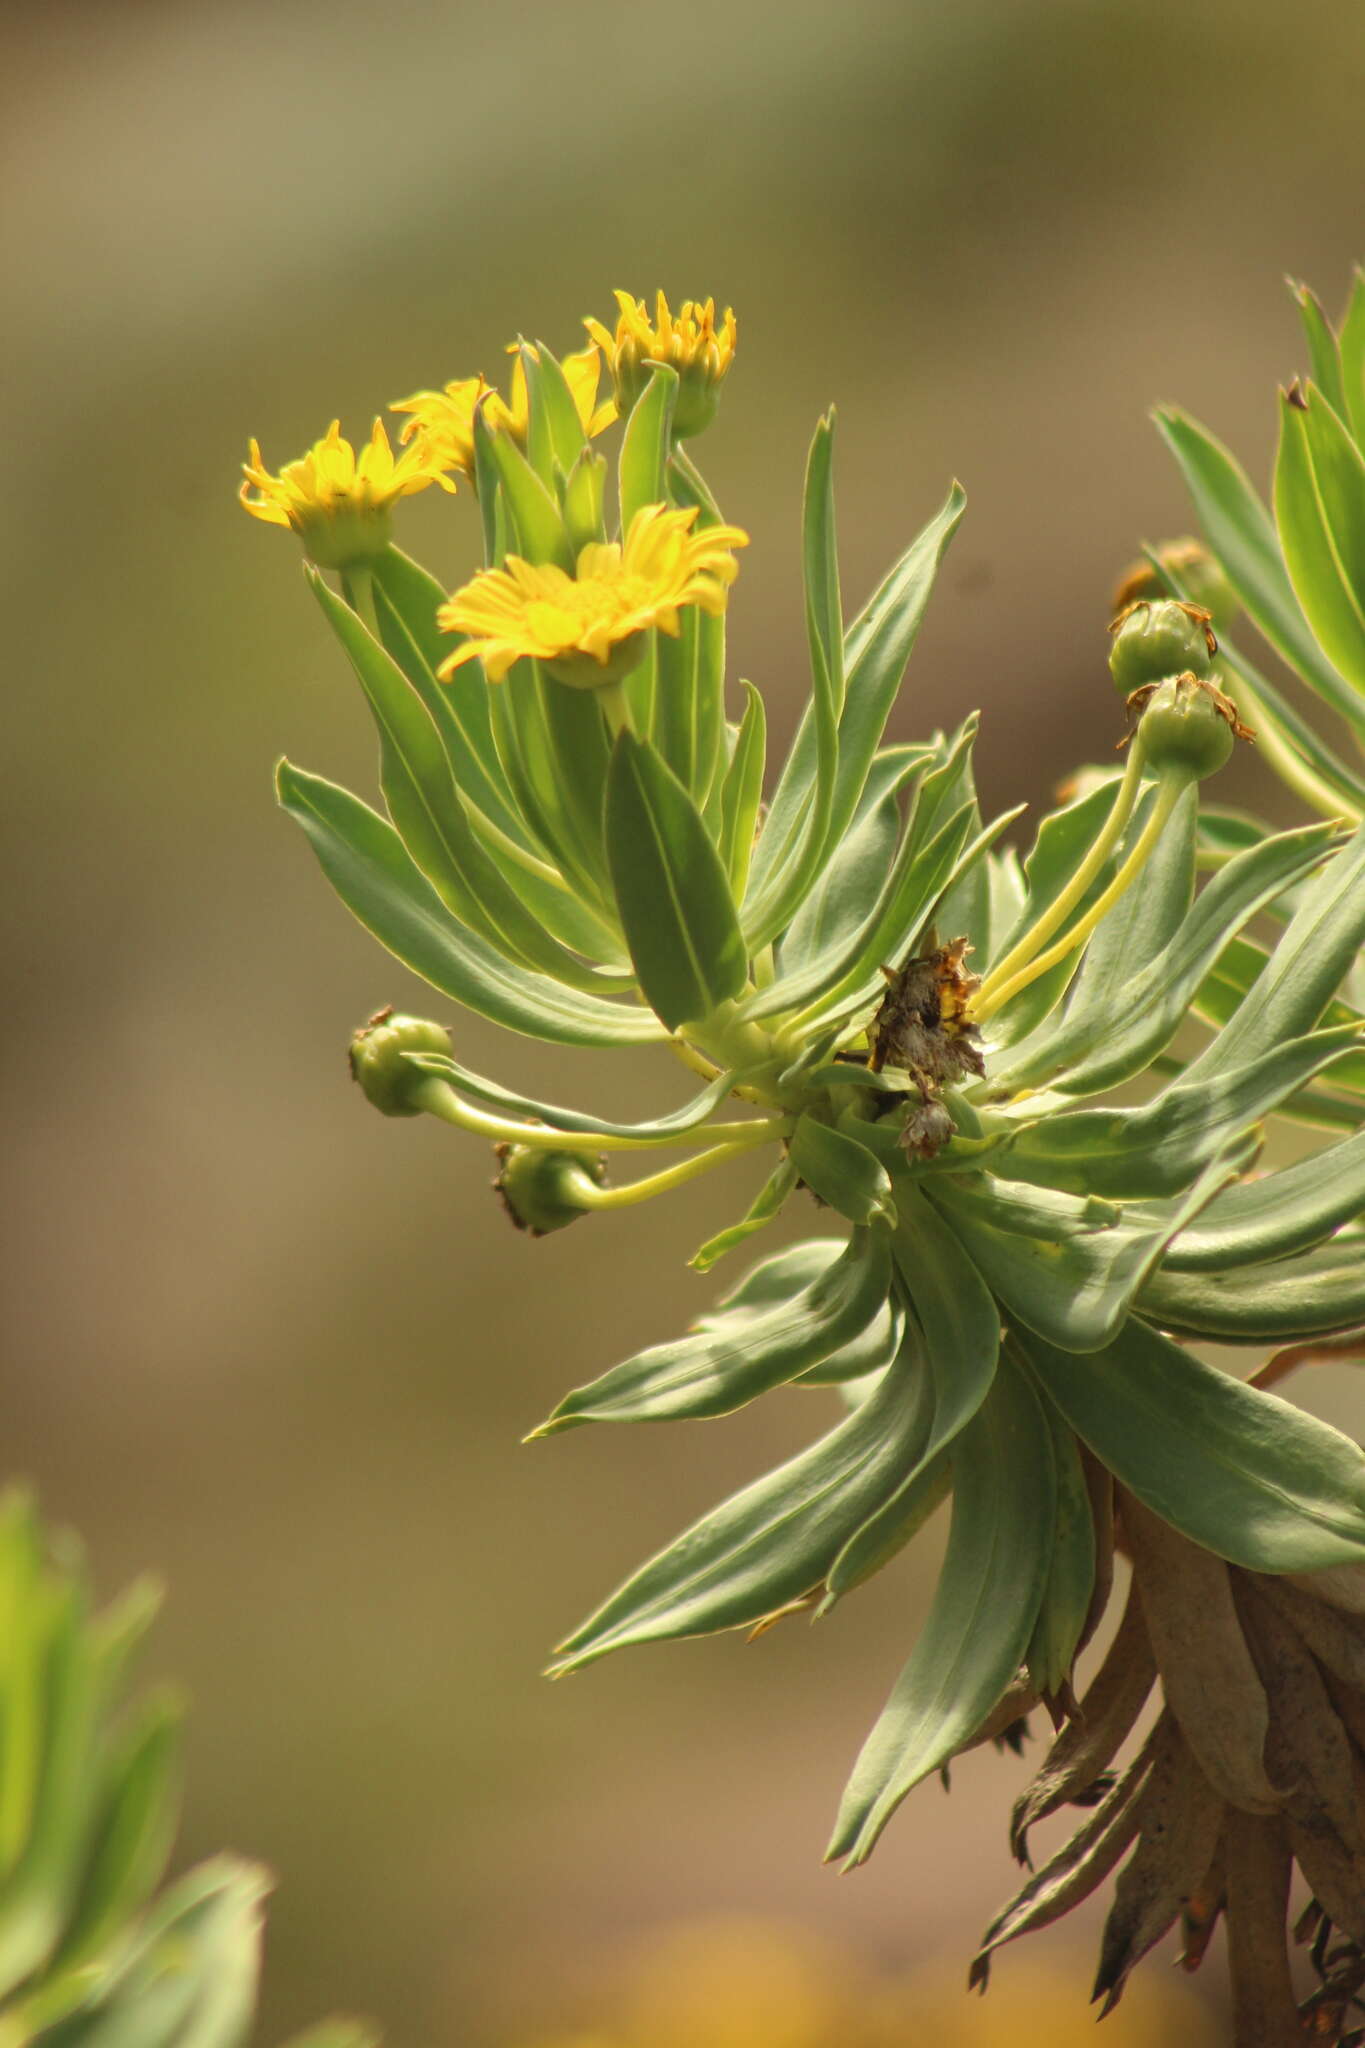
{"type": "Point", "coordinates": [1187, 727]}
{"type": "Point", "coordinates": [1156, 640]}
{"type": "Point", "coordinates": [377, 1062]}
{"type": "Point", "coordinates": [543, 1190]}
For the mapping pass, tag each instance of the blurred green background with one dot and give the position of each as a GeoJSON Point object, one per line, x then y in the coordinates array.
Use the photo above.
{"type": "Point", "coordinates": [282, 1351]}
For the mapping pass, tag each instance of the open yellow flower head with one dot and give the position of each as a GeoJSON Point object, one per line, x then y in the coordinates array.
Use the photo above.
{"type": "Point", "coordinates": [336, 501]}
{"type": "Point", "coordinates": [441, 423]}
{"type": "Point", "coordinates": [588, 628]}
{"type": "Point", "coordinates": [690, 343]}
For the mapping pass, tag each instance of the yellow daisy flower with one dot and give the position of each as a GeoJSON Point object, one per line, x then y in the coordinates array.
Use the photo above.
{"type": "Point", "coordinates": [588, 628]}
{"type": "Point", "coordinates": [690, 342]}
{"type": "Point", "coordinates": [336, 501]}
{"type": "Point", "coordinates": [442, 422]}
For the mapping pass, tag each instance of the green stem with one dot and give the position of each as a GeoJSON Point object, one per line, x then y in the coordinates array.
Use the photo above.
{"type": "Point", "coordinates": [1062, 906]}
{"type": "Point", "coordinates": [359, 587]}
{"type": "Point", "coordinates": [731, 1041]}
{"type": "Point", "coordinates": [615, 707]}
{"type": "Point", "coordinates": [439, 1099]}
{"type": "Point", "coordinates": [591, 1196]}
{"type": "Point", "coordinates": [995, 993]}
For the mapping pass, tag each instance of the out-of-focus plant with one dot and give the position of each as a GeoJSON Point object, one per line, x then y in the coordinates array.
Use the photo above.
{"type": "Point", "coordinates": [92, 1954]}
{"type": "Point", "coordinates": [576, 846]}
{"type": "Point", "coordinates": [1296, 568]}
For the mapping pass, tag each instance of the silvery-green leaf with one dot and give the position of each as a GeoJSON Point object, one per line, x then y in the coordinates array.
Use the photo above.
{"type": "Point", "coordinates": [1241, 1472]}
{"type": "Point", "coordinates": [770, 1544]}
{"type": "Point", "coordinates": [743, 1353]}
{"type": "Point", "coordinates": [1310, 1295]}
{"type": "Point", "coordinates": [1004, 1508]}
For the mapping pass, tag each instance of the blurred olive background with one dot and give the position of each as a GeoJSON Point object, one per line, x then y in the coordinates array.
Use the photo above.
{"type": "Point", "coordinates": [281, 1351]}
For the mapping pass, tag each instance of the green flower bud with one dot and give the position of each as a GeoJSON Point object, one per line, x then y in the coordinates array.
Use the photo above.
{"type": "Point", "coordinates": [543, 1190]}
{"type": "Point", "coordinates": [1156, 640]}
{"type": "Point", "coordinates": [377, 1061]}
{"type": "Point", "coordinates": [1188, 727]}
{"type": "Point", "coordinates": [1194, 570]}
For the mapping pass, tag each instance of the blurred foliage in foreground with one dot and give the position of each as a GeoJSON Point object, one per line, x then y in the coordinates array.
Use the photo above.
{"type": "Point", "coordinates": [92, 1953]}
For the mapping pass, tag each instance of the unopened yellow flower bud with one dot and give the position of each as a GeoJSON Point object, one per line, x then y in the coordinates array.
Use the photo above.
{"type": "Point", "coordinates": [690, 343]}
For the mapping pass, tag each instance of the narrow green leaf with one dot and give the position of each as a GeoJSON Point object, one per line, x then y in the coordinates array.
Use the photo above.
{"type": "Point", "coordinates": [1063, 841]}
{"type": "Point", "coordinates": [1320, 511]}
{"type": "Point", "coordinates": [1241, 1472]}
{"type": "Point", "coordinates": [954, 1310]}
{"type": "Point", "coordinates": [539, 740]}
{"type": "Point", "coordinates": [820, 566]}
{"type": "Point", "coordinates": [842, 1172]}
{"type": "Point", "coordinates": [1299, 980]}
{"type": "Point", "coordinates": [742, 792]}
{"type": "Point", "coordinates": [133, 1833]}
{"type": "Point", "coordinates": [42, 1887]}
{"type": "Point", "coordinates": [837, 908]}
{"type": "Point", "coordinates": [577, 744]}
{"type": "Point", "coordinates": [645, 445]}
{"type": "Point", "coordinates": [765, 1205]}
{"type": "Point", "coordinates": [1310, 1295]}
{"type": "Point", "coordinates": [556, 432]}
{"type": "Point", "coordinates": [956, 1326]}
{"type": "Point", "coordinates": [742, 1354]}
{"type": "Point", "coordinates": [1352, 343]}
{"type": "Point", "coordinates": [1323, 353]}
{"type": "Point", "coordinates": [538, 531]}
{"type": "Point", "coordinates": [189, 1979]}
{"type": "Point", "coordinates": [24, 1624]}
{"type": "Point", "coordinates": [1239, 531]}
{"type": "Point", "coordinates": [1287, 741]}
{"type": "Point", "coordinates": [579, 1122]}
{"type": "Point", "coordinates": [878, 645]}
{"type": "Point", "coordinates": [426, 809]}
{"type": "Point", "coordinates": [791, 849]}
{"type": "Point", "coordinates": [671, 889]}
{"type": "Point", "coordinates": [1276, 1214]}
{"type": "Point", "coordinates": [1085, 1055]}
{"type": "Point", "coordinates": [1004, 1508]}
{"type": "Point", "coordinates": [940, 819]}
{"type": "Point", "coordinates": [768, 1545]}
{"type": "Point", "coordinates": [1071, 1568]}
{"type": "Point", "coordinates": [1067, 1268]}
{"type": "Point", "coordinates": [912, 906]}
{"type": "Point", "coordinates": [779, 1278]}
{"type": "Point", "coordinates": [405, 607]}
{"type": "Point", "coordinates": [1159, 1148]}
{"type": "Point", "coordinates": [689, 715]}
{"type": "Point", "coordinates": [1143, 921]}
{"type": "Point", "coordinates": [849, 971]}
{"type": "Point", "coordinates": [366, 863]}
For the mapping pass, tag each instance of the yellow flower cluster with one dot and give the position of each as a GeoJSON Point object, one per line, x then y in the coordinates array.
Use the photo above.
{"type": "Point", "coordinates": [690, 343]}
{"type": "Point", "coordinates": [441, 423]}
{"type": "Point", "coordinates": [587, 628]}
{"type": "Point", "coordinates": [338, 502]}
